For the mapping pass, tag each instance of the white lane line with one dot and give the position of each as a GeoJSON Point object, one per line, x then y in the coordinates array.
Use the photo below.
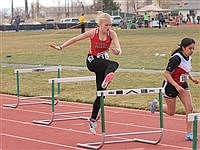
{"type": "Point", "coordinates": [40, 141]}
{"type": "Point", "coordinates": [82, 132]}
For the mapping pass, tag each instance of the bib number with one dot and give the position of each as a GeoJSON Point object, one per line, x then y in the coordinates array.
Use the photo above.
{"type": "Point", "coordinates": [103, 55]}
{"type": "Point", "coordinates": [184, 77]}
{"type": "Point", "coordinates": [90, 58]}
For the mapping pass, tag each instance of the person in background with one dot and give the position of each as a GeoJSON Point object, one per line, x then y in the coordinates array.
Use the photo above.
{"type": "Point", "coordinates": [161, 20]}
{"type": "Point", "coordinates": [97, 59]}
{"type": "Point", "coordinates": [17, 23]}
{"type": "Point", "coordinates": [146, 20]}
{"type": "Point", "coordinates": [175, 84]}
{"type": "Point", "coordinates": [181, 18]}
{"type": "Point", "coordinates": [82, 21]}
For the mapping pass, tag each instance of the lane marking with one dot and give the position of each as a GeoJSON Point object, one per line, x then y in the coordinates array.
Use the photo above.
{"type": "Point", "coordinates": [40, 141]}
{"type": "Point", "coordinates": [83, 132]}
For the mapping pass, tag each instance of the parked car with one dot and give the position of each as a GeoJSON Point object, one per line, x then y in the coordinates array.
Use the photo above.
{"type": "Point", "coordinates": [116, 20]}
{"type": "Point", "coordinates": [69, 20]}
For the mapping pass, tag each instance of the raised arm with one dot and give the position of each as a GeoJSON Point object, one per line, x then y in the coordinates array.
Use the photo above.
{"type": "Point", "coordinates": [73, 40]}
{"type": "Point", "coordinates": [117, 48]}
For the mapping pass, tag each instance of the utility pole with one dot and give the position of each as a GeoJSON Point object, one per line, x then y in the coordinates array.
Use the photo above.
{"type": "Point", "coordinates": [26, 9]}
{"type": "Point", "coordinates": [12, 9]}
{"type": "Point", "coordinates": [102, 5]}
{"type": "Point", "coordinates": [65, 9]}
{"type": "Point", "coordinates": [68, 9]}
{"type": "Point", "coordinates": [127, 7]}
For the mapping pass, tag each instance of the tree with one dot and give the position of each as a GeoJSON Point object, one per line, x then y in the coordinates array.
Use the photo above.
{"type": "Point", "coordinates": [12, 9]}
{"type": "Point", "coordinates": [111, 5]}
{"type": "Point", "coordinates": [101, 5]}
{"type": "Point", "coordinates": [26, 9]}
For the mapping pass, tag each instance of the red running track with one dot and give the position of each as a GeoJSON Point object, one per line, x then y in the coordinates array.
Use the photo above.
{"type": "Point", "coordinates": [17, 131]}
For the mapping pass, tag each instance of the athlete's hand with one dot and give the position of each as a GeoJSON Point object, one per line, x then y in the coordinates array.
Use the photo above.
{"type": "Point", "coordinates": [56, 47]}
{"type": "Point", "coordinates": [116, 51]}
{"type": "Point", "coordinates": [196, 81]}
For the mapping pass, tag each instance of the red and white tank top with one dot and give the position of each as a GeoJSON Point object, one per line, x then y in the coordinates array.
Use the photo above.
{"type": "Point", "coordinates": [98, 46]}
{"type": "Point", "coordinates": [180, 74]}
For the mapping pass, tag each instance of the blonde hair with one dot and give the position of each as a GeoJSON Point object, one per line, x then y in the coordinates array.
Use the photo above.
{"type": "Point", "coordinates": [103, 16]}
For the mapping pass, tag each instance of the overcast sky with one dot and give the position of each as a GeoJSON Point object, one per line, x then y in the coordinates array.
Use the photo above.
{"type": "Point", "coordinates": [20, 3]}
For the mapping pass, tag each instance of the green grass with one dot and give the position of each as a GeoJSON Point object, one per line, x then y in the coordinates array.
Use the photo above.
{"type": "Point", "coordinates": [139, 48]}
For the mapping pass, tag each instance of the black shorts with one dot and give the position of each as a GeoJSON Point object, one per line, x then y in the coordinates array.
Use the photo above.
{"type": "Point", "coordinates": [170, 91]}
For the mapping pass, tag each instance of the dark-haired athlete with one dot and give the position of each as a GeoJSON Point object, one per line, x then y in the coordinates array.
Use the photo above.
{"type": "Point", "coordinates": [176, 75]}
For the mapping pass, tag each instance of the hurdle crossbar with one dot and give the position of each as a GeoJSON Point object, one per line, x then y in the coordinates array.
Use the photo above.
{"type": "Point", "coordinates": [102, 94]}
{"type": "Point", "coordinates": [53, 114]}
{"type": "Point", "coordinates": [30, 70]}
{"type": "Point", "coordinates": [194, 117]}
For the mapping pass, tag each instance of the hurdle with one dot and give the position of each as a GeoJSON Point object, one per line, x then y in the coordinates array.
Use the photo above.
{"type": "Point", "coordinates": [31, 70]}
{"type": "Point", "coordinates": [102, 94]}
{"type": "Point", "coordinates": [194, 117]}
{"type": "Point", "coordinates": [53, 114]}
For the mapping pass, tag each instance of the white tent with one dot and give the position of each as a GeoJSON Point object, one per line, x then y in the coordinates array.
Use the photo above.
{"type": "Point", "coordinates": [152, 8]}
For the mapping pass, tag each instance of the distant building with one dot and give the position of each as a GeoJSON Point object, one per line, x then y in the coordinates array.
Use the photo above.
{"type": "Point", "coordinates": [186, 7]}
{"type": "Point", "coordinates": [129, 6]}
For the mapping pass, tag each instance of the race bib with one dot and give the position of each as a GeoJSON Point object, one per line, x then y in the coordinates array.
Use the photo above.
{"type": "Point", "coordinates": [184, 77]}
{"type": "Point", "coordinates": [90, 58]}
{"type": "Point", "coordinates": [103, 55]}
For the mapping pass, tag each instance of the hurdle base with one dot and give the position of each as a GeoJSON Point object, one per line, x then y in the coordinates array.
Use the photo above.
{"type": "Point", "coordinates": [90, 145]}
{"type": "Point", "coordinates": [100, 144]}
{"type": "Point", "coordinates": [31, 103]}
{"type": "Point", "coordinates": [53, 119]}
{"type": "Point", "coordinates": [48, 122]}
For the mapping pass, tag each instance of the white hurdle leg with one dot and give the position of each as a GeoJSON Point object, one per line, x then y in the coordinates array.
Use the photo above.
{"type": "Point", "coordinates": [30, 70]}
{"type": "Point", "coordinates": [64, 80]}
{"type": "Point", "coordinates": [102, 94]}
{"type": "Point", "coordinates": [194, 117]}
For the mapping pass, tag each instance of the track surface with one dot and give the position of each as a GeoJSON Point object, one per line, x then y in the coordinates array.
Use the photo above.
{"type": "Point", "coordinates": [17, 132]}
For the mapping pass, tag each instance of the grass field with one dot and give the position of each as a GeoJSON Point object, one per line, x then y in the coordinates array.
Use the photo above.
{"type": "Point", "coordinates": [139, 49]}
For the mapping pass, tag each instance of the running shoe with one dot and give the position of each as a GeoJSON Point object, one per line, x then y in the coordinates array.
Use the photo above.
{"type": "Point", "coordinates": [92, 125]}
{"type": "Point", "coordinates": [189, 137]}
{"type": "Point", "coordinates": [109, 77]}
{"type": "Point", "coordinates": [153, 105]}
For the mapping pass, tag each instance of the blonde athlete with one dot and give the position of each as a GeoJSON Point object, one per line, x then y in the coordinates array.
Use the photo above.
{"type": "Point", "coordinates": [98, 59]}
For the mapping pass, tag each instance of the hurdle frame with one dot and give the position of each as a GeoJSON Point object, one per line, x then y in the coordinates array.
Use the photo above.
{"type": "Point", "coordinates": [28, 70]}
{"type": "Point", "coordinates": [102, 94]}
{"type": "Point", "coordinates": [194, 117]}
{"type": "Point", "coordinates": [53, 114]}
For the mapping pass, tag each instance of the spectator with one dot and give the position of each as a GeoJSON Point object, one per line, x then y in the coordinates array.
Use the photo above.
{"type": "Point", "coordinates": [198, 19]}
{"type": "Point", "coordinates": [161, 20]}
{"type": "Point", "coordinates": [188, 18]}
{"type": "Point", "coordinates": [146, 20]}
{"type": "Point", "coordinates": [193, 19]}
{"type": "Point", "coordinates": [181, 18]}
{"type": "Point", "coordinates": [17, 23]}
{"type": "Point", "coordinates": [82, 21]}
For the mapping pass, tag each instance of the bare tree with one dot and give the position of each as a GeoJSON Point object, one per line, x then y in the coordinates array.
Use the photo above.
{"type": "Point", "coordinates": [37, 9]}
{"type": "Point", "coordinates": [26, 9]}
{"type": "Point", "coordinates": [12, 9]}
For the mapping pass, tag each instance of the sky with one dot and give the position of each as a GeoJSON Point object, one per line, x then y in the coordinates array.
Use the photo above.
{"type": "Point", "coordinates": [20, 3]}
